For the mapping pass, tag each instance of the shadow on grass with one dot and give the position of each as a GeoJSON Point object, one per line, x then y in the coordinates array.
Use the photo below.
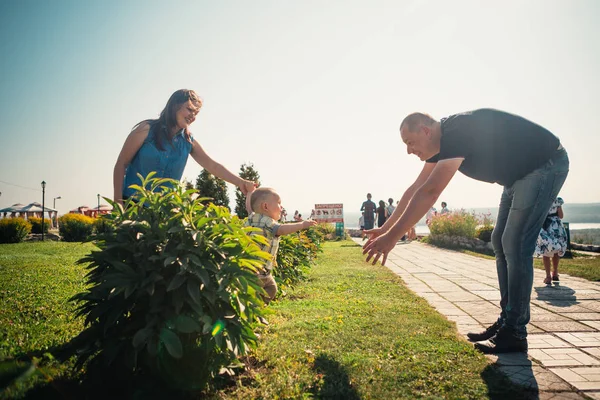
{"type": "Point", "coordinates": [336, 383]}
{"type": "Point", "coordinates": [500, 387]}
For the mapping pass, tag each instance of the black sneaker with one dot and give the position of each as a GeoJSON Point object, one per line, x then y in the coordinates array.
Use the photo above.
{"type": "Point", "coordinates": [485, 335]}
{"type": "Point", "coordinates": [504, 342]}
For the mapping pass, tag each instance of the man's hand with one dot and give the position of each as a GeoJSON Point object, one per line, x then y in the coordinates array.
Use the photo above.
{"type": "Point", "coordinates": [374, 233]}
{"type": "Point", "coordinates": [380, 246]}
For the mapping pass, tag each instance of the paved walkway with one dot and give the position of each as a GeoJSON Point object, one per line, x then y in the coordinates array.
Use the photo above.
{"type": "Point", "coordinates": [564, 332]}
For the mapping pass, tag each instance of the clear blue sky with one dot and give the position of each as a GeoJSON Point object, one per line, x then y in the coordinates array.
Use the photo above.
{"type": "Point", "coordinates": [311, 92]}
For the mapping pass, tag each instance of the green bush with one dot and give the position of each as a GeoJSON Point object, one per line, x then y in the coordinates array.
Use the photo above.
{"type": "Point", "coordinates": [75, 227]}
{"type": "Point", "coordinates": [456, 223]}
{"type": "Point", "coordinates": [173, 290]}
{"type": "Point", "coordinates": [103, 225]}
{"type": "Point", "coordinates": [484, 233]}
{"type": "Point", "coordinates": [13, 230]}
{"type": "Point", "coordinates": [296, 255]}
{"type": "Point", "coordinates": [36, 224]}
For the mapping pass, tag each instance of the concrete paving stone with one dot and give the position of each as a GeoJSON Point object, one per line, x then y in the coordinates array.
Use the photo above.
{"type": "Point", "coordinates": [593, 305]}
{"type": "Point", "coordinates": [463, 329]}
{"type": "Point", "coordinates": [462, 319]}
{"type": "Point", "coordinates": [534, 329]}
{"type": "Point", "coordinates": [459, 295]}
{"type": "Point", "coordinates": [547, 316]}
{"type": "Point", "coordinates": [560, 308]}
{"type": "Point", "coordinates": [476, 286]}
{"type": "Point", "coordinates": [562, 357]}
{"type": "Point", "coordinates": [587, 316]}
{"type": "Point", "coordinates": [535, 377]}
{"type": "Point", "coordinates": [487, 294]}
{"type": "Point", "coordinates": [451, 311]}
{"type": "Point", "coordinates": [542, 341]}
{"type": "Point", "coordinates": [568, 374]}
{"type": "Point", "coordinates": [595, 351]}
{"type": "Point", "coordinates": [581, 339]}
{"type": "Point", "coordinates": [563, 326]}
{"type": "Point", "coordinates": [486, 319]}
{"type": "Point", "coordinates": [560, 396]}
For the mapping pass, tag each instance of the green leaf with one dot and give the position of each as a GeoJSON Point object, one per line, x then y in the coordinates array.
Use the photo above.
{"type": "Point", "coordinates": [193, 289]}
{"type": "Point", "coordinates": [176, 282]}
{"type": "Point", "coordinates": [171, 342]}
{"type": "Point", "coordinates": [186, 324]}
{"type": "Point", "coordinates": [141, 337]}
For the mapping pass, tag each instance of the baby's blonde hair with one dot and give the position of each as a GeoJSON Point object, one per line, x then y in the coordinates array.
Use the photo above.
{"type": "Point", "coordinates": [259, 196]}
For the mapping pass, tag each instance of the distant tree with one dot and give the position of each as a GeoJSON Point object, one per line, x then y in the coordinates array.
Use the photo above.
{"type": "Point", "coordinates": [188, 184]}
{"type": "Point", "coordinates": [209, 185]}
{"type": "Point", "coordinates": [248, 172]}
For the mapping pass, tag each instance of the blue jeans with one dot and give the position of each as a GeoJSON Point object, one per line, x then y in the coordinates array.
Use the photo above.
{"type": "Point", "coordinates": [523, 209]}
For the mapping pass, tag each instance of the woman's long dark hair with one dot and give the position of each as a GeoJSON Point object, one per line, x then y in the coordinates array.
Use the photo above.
{"type": "Point", "coordinates": [167, 120]}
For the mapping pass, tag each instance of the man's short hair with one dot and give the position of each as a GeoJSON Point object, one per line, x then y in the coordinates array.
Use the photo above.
{"type": "Point", "coordinates": [259, 196]}
{"type": "Point", "coordinates": [369, 195]}
{"type": "Point", "coordinates": [412, 121]}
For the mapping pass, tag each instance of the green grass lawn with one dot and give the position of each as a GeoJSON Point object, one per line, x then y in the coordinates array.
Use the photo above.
{"type": "Point", "coordinates": [352, 331]}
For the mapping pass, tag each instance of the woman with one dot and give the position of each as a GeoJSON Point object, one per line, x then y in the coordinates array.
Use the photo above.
{"type": "Point", "coordinates": [382, 214]}
{"type": "Point", "coordinates": [552, 241]}
{"type": "Point", "coordinates": [163, 145]}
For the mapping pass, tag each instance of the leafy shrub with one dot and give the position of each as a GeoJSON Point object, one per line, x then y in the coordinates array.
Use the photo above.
{"type": "Point", "coordinates": [296, 255]}
{"type": "Point", "coordinates": [36, 224]}
{"type": "Point", "coordinates": [484, 233]}
{"type": "Point", "coordinates": [456, 223]}
{"type": "Point", "coordinates": [327, 230]}
{"type": "Point", "coordinates": [173, 290]}
{"type": "Point", "coordinates": [13, 230]}
{"type": "Point", "coordinates": [103, 225]}
{"type": "Point", "coordinates": [75, 227]}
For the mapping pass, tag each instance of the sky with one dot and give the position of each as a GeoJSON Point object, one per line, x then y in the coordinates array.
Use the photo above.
{"type": "Point", "coordinates": [311, 92]}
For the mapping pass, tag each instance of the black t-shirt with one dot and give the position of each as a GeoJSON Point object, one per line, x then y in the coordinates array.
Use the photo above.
{"type": "Point", "coordinates": [369, 208]}
{"type": "Point", "coordinates": [497, 146]}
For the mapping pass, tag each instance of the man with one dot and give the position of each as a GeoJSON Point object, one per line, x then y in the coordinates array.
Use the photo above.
{"type": "Point", "coordinates": [369, 208]}
{"type": "Point", "coordinates": [490, 146]}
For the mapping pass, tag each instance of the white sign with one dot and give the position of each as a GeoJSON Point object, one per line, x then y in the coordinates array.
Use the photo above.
{"type": "Point", "coordinates": [328, 213]}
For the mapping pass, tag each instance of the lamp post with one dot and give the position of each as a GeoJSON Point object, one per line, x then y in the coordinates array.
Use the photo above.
{"type": "Point", "coordinates": [43, 206]}
{"type": "Point", "coordinates": [55, 212]}
{"type": "Point", "coordinates": [98, 213]}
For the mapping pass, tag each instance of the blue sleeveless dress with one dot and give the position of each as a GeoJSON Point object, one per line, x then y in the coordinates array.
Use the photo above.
{"type": "Point", "coordinates": [168, 163]}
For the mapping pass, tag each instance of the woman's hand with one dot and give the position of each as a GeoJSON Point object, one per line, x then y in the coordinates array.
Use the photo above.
{"type": "Point", "coordinates": [379, 246]}
{"type": "Point", "coordinates": [246, 186]}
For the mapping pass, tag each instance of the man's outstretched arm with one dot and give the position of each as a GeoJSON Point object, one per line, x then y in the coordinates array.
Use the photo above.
{"type": "Point", "coordinates": [408, 194]}
{"type": "Point", "coordinates": [422, 200]}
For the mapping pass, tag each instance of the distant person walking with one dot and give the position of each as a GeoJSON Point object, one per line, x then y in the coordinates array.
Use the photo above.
{"type": "Point", "coordinates": [391, 207]}
{"type": "Point", "coordinates": [163, 145]}
{"type": "Point", "coordinates": [381, 213]}
{"type": "Point", "coordinates": [497, 147]}
{"type": "Point", "coordinates": [552, 240]}
{"type": "Point", "coordinates": [369, 208]}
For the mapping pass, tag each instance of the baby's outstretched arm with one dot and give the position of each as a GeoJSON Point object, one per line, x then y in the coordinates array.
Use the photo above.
{"type": "Point", "coordinates": [295, 227]}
